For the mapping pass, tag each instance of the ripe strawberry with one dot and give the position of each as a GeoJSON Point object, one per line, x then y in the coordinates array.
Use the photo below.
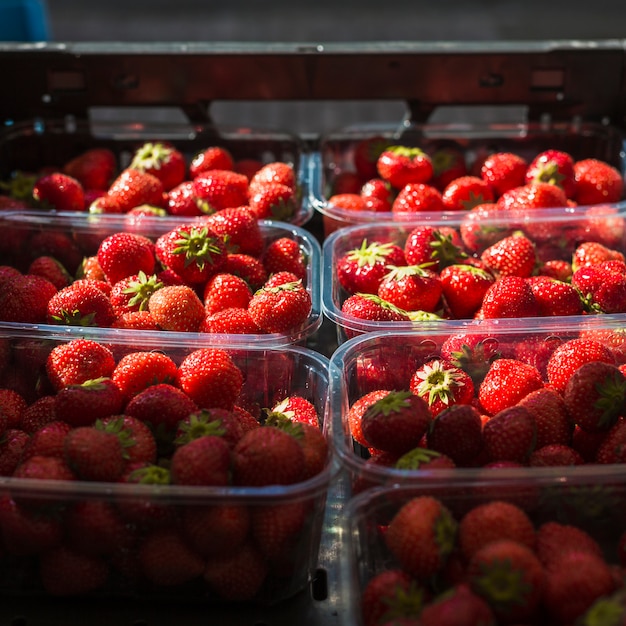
{"type": "Point", "coordinates": [94, 168]}
{"type": "Point", "coordinates": [283, 308]}
{"type": "Point", "coordinates": [378, 194]}
{"type": "Point", "coordinates": [557, 269]}
{"type": "Point", "coordinates": [555, 167]}
{"type": "Point", "coordinates": [133, 188]}
{"type": "Point", "coordinates": [402, 165]}
{"type": "Point", "coordinates": [554, 539]}
{"type": "Point", "coordinates": [12, 447]}
{"type": "Point", "coordinates": [81, 304]}
{"type": "Point", "coordinates": [49, 268]}
{"type": "Point", "coordinates": [418, 198]}
{"type": "Point", "coordinates": [221, 189]}
{"type": "Point", "coordinates": [126, 254]}
{"type": "Point", "coordinates": [442, 385]}
{"type": "Point", "coordinates": [239, 228]}
{"type": "Point", "coordinates": [137, 371]}
{"type": "Point", "coordinates": [297, 409]}
{"type": "Point", "coordinates": [224, 291]}
{"type": "Point", "coordinates": [275, 172]}
{"type": "Point", "coordinates": [493, 521]}
{"type": "Point", "coordinates": [348, 202]}
{"type": "Point", "coordinates": [503, 171]}
{"type": "Point", "coordinates": [448, 163]}
{"type": "Point", "coordinates": [182, 201]}
{"type": "Point", "coordinates": [39, 413]}
{"type": "Point", "coordinates": [135, 320]}
{"type": "Point", "coordinates": [509, 297]}
{"type": "Point", "coordinates": [272, 201]}
{"type": "Point", "coordinates": [210, 378]}
{"type": "Point", "coordinates": [555, 455]}
{"type": "Point", "coordinates": [397, 422]}
{"type": "Point", "coordinates": [202, 461]}
{"type": "Point", "coordinates": [570, 355]}
{"type": "Point", "coordinates": [133, 292]}
{"type": "Point", "coordinates": [613, 447]}
{"type": "Point", "coordinates": [249, 268]}
{"type": "Point", "coordinates": [602, 287]}
{"type": "Point", "coordinates": [24, 298]}
{"type": "Point", "coordinates": [285, 255]}
{"type": "Point", "coordinates": [530, 197]}
{"type": "Point", "coordinates": [555, 297]}
{"type": "Point", "coordinates": [457, 433]}
{"type": "Point", "coordinates": [231, 321]}
{"type": "Point", "coordinates": [421, 535]}
{"type": "Point", "coordinates": [267, 456]}
{"type": "Point", "coordinates": [371, 308]}
{"type": "Point", "coordinates": [248, 166]}
{"type": "Point", "coordinates": [509, 435]}
{"type": "Point", "coordinates": [366, 154]}
{"type": "Point", "coordinates": [597, 182]}
{"type": "Point", "coordinates": [211, 158]}
{"type": "Point", "coordinates": [552, 420]}
{"type": "Point", "coordinates": [464, 288]}
{"type": "Point", "coordinates": [139, 443]}
{"type": "Point", "coordinates": [177, 308]}
{"type": "Point", "coordinates": [466, 192]}
{"type": "Point", "coordinates": [161, 159]}
{"type": "Point", "coordinates": [428, 244]}
{"type": "Point", "coordinates": [12, 406]}
{"type": "Point", "coordinates": [346, 181]}
{"type": "Point", "coordinates": [510, 578]}
{"type": "Point", "coordinates": [457, 605]}
{"type": "Point", "coordinates": [411, 288]}
{"type": "Point", "coordinates": [362, 269]}
{"type": "Point", "coordinates": [78, 361]}
{"type": "Point", "coordinates": [59, 191]}
{"type": "Point", "coordinates": [357, 410]}
{"type": "Point", "coordinates": [83, 404]}
{"type": "Point", "coordinates": [40, 467]}
{"type": "Point", "coordinates": [512, 256]}
{"type": "Point", "coordinates": [64, 572]}
{"type": "Point", "coordinates": [482, 227]}
{"type": "Point", "coordinates": [48, 440]}
{"type": "Point", "coordinates": [593, 253]}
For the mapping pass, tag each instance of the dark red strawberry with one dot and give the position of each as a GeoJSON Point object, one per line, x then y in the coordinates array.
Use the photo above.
{"type": "Point", "coordinates": [366, 154]}
{"type": "Point", "coordinates": [457, 603]}
{"type": "Point", "coordinates": [613, 447]}
{"type": "Point", "coordinates": [457, 433]}
{"type": "Point", "coordinates": [221, 189]}
{"type": "Point", "coordinates": [597, 182]}
{"type": "Point", "coordinates": [275, 172]}
{"type": "Point", "coordinates": [377, 189]}
{"type": "Point", "coordinates": [59, 191]}
{"type": "Point", "coordinates": [125, 254]}
{"type": "Point", "coordinates": [466, 192]}
{"type": "Point", "coordinates": [411, 288]}
{"type": "Point", "coordinates": [530, 197]}
{"type": "Point", "coordinates": [224, 291]}
{"type": "Point", "coordinates": [82, 405]}
{"type": "Point", "coordinates": [503, 171]}
{"type": "Point", "coordinates": [239, 228]}
{"type": "Point", "coordinates": [211, 158]}
{"type": "Point", "coordinates": [448, 163]}
{"type": "Point", "coordinates": [427, 244]}
{"type": "Point", "coordinates": [203, 461]}
{"type": "Point", "coordinates": [279, 309]}
{"type": "Point", "coordinates": [49, 268]}
{"type": "Point", "coordinates": [555, 455]}
{"type": "Point", "coordinates": [64, 572]}
{"type": "Point", "coordinates": [509, 297]}
{"type": "Point", "coordinates": [509, 435]}
{"type": "Point", "coordinates": [80, 304]}
{"type": "Point", "coordinates": [285, 255]}
{"type": "Point", "coordinates": [24, 298]}
{"type": "Point", "coordinates": [464, 288]}
{"type": "Point", "coordinates": [94, 168]}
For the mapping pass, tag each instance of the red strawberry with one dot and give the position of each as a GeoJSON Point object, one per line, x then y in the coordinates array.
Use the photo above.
{"type": "Point", "coordinates": [216, 529]}
{"type": "Point", "coordinates": [509, 435]}
{"type": "Point", "coordinates": [366, 154]}
{"type": "Point", "coordinates": [125, 254]}
{"type": "Point", "coordinates": [411, 288]}
{"type": "Point", "coordinates": [613, 448]}
{"type": "Point", "coordinates": [418, 198]}
{"type": "Point", "coordinates": [448, 163]}
{"type": "Point", "coordinates": [555, 167]}
{"type": "Point", "coordinates": [509, 297]}
{"type": "Point", "coordinates": [140, 445]}
{"type": "Point", "coordinates": [78, 361]}
{"type": "Point", "coordinates": [378, 193]}
{"type": "Point", "coordinates": [133, 292]}
{"type": "Point", "coordinates": [554, 539]}
{"type": "Point", "coordinates": [503, 171]}
{"type": "Point", "coordinates": [135, 320]}
{"type": "Point", "coordinates": [239, 228]}
{"type": "Point", "coordinates": [532, 196]}
{"type": "Point", "coordinates": [177, 308]}
{"type": "Point", "coordinates": [41, 412]}
{"type": "Point", "coordinates": [356, 411]}
{"type": "Point", "coordinates": [427, 244]}
{"type": "Point", "coordinates": [597, 182]}
{"type": "Point", "coordinates": [81, 304]}
{"type": "Point", "coordinates": [221, 189]}
{"type": "Point", "coordinates": [593, 253]}
{"type": "Point", "coordinates": [285, 255]}
{"type": "Point", "coordinates": [12, 447]}
{"type": "Point", "coordinates": [65, 572]}
{"type": "Point", "coordinates": [457, 433]}
{"type": "Point", "coordinates": [512, 256]}
{"type": "Point", "coordinates": [224, 291]}
{"type": "Point", "coordinates": [275, 172]}
{"type": "Point", "coordinates": [137, 371]}
{"type": "Point", "coordinates": [421, 535]}
{"type": "Point", "coordinates": [510, 578]}
{"type": "Point", "coordinates": [82, 405]}
{"type": "Point", "coordinates": [555, 297]}
{"type": "Point", "coordinates": [602, 287]}
{"type": "Point", "coordinates": [297, 409]}
{"type": "Point", "coordinates": [59, 191]}
{"type": "Point", "coordinates": [555, 455]}
{"type": "Point", "coordinates": [272, 201]}
{"type": "Point", "coordinates": [570, 355]}
{"type": "Point", "coordinates": [397, 422]}
{"type": "Point", "coordinates": [456, 604]}
{"type": "Point", "coordinates": [371, 308]}
{"type": "Point", "coordinates": [249, 268]}
{"type": "Point", "coordinates": [557, 269]}
{"type": "Point", "coordinates": [47, 441]}
{"type": "Point", "coordinates": [553, 424]}
{"type": "Point", "coordinates": [163, 160]}
{"type": "Point", "coordinates": [211, 158]}
{"type": "Point", "coordinates": [483, 226]}
{"type": "Point", "coordinates": [201, 461]}
{"type": "Point", "coordinates": [362, 269]}
{"type": "Point", "coordinates": [493, 521]}
{"type": "Point", "coordinates": [402, 165]}
{"type": "Point", "coordinates": [94, 168]}
{"type": "Point", "coordinates": [279, 309]}
{"type": "Point", "coordinates": [210, 378]}
{"type": "Point", "coordinates": [464, 288]}
{"type": "Point", "coordinates": [466, 192]}
{"type": "Point", "coordinates": [49, 268]}
{"type": "Point", "coordinates": [182, 201]}
{"type": "Point", "coordinates": [348, 202]}
{"type": "Point", "coordinates": [24, 298]}
{"type": "Point", "coordinates": [231, 321]}
{"type": "Point", "coordinates": [133, 188]}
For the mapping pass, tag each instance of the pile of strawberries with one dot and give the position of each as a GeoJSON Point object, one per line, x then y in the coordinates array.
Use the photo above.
{"type": "Point", "coordinates": [491, 563]}
{"type": "Point", "coordinates": [217, 274]}
{"type": "Point", "coordinates": [160, 180]}
{"type": "Point", "coordinates": [85, 411]}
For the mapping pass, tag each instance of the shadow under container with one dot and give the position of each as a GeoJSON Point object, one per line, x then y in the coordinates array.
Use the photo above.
{"type": "Point", "coordinates": [78, 236]}
{"type": "Point", "coordinates": [36, 515]}
{"type": "Point", "coordinates": [469, 141]}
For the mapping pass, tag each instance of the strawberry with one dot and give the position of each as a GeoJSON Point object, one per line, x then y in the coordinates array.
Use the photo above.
{"type": "Point", "coordinates": [555, 297]}
{"type": "Point", "coordinates": [411, 288]}
{"type": "Point", "coordinates": [81, 304]}
{"type": "Point", "coordinates": [503, 171]}
{"type": "Point", "coordinates": [65, 572]}
{"type": "Point", "coordinates": [247, 166]}
{"type": "Point", "coordinates": [48, 440]}
{"type": "Point", "coordinates": [275, 172]}
{"type": "Point", "coordinates": [194, 252]}
{"type": "Point", "coordinates": [137, 371]}
{"type": "Point", "coordinates": [511, 256]}
{"type": "Point", "coordinates": [239, 228]}
{"type": "Point", "coordinates": [597, 182]}
{"type": "Point", "coordinates": [221, 189]}
{"type": "Point", "coordinates": [362, 269]}
{"type": "Point", "coordinates": [509, 577]}
{"type": "Point", "coordinates": [216, 529]}
{"type": "Point", "coordinates": [466, 192]}
{"type": "Point", "coordinates": [135, 320]}
{"type": "Point", "coordinates": [211, 158]}
{"type": "Point", "coordinates": [448, 163]}
{"type": "Point", "coordinates": [602, 287]}
{"type": "Point", "coordinates": [49, 268]}
{"type": "Point", "coordinates": [557, 269]}
{"type": "Point", "coordinates": [595, 395]}
{"type": "Point", "coordinates": [125, 254]}
{"type": "Point", "coordinates": [421, 536]}
{"type": "Point", "coordinates": [493, 521]}
{"type": "Point", "coordinates": [428, 244]}
{"type": "Point", "coordinates": [94, 168]}
{"type": "Point", "coordinates": [402, 165]}
{"type": "Point", "coordinates": [457, 433]}
{"type": "Point", "coordinates": [555, 167]}
{"type": "Point", "coordinates": [140, 445]}
{"type": "Point", "coordinates": [210, 378]}
{"type": "Point", "coordinates": [24, 298]}
{"type": "Point", "coordinates": [133, 292]}
{"type": "Point", "coordinates": [371, 308]}
{"type": "Point", "coordinates": [554, 539]}
{"type": "Point", "coordinates": [12, 447]}
{"type": "Point", "coordinates": [391, 595]}
{"type": "Point", "coordinates": [213, 422]}
{"type": "Point", "coordinates": [77, 361]}
{"type": "Point", "coordinates": [357, 410]}
{"type": "Point", "coordinates": [555, 455]}
{"type": "Point", "coordinates": [482, 227]}
{"type": "Point", "coordinates": [464, 288]}
{"type": "Point", "coordinates": [267, 456]}
{"type": "Point", "coordinates": [272, 201]}
{"type": "Point", "coordinates": [283, 308]}
{"type": "Point", "coordinates": [39, 413]}
{"type": "Point", "coordinates": [613, 447]}
{"type": "Point", "coordinates": [249, 268]}
{"type": "Point", "coordinates": [161, 159]}
{"type": "Point", "coordinates": [442, 385]}
{"type": "Point", "coordinates": [509, 297]}
{"type": "Point", "coordinates": [224, 291]}
{"type": "Point", "coordinates": [570, 355]}
{"type": "Point", "coordinates": [348, 202]}
{"type": "Point", "coordinates": [593, 253]}
{"type": "Point", "coordinates": [378, 193]}
{"type": "Point", "coordinates": [83, 404]}
{"type": "Point", "coordinates": [231, 321]}
{"type": "Point", "coordinates": [12, 406]}
{"type": "Point", "coordinates": [94, 453]}
{"type": "Point", "coordinates": [509, 435]}
{"type": "Point", "coordinates": [297, 409]}
{"type": "Point", "coordinates": [177, 308]}
{"type": "Point", "coordinates": [133, 188]}
{"type": "Point", "coordinates": [418, 198]}
{"type": "Point", "coordinates": [397, 422]}
{"type": "Point", "coordinates": [552, 420]}
{"type": "Point", "coordinates": [366, 154]}
{"type": "Point", "coordinates": [346, 181]}
{"type": "Point", "coordinates": [532, 196]}
{"type": "Point", "coordinates": [574, 582]}
{"type": "Point", "coordinates": [285, 255]}
{"type": "Point", "coordinates": [182, 201]}
{"type": "Point", "coordinates": [201, 461]}
{"type": "Point", "coordinates": [60, 192]}
{"type": "Point", "coordinates": [455, 606]}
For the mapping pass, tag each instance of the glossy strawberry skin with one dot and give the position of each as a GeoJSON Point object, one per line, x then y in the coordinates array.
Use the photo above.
{"type": "Point", "coordinates": [124, 254]}
{"type": "Point", "coordinates": [400, 166]}
{"type": "Point", "coordinates": [511, 256]}
{"type": "Point", "coordinates": [503, 171]}
{"type": "Point", "coordinates": [133, 188]}
{"type": "Point", "coordinates": [555, 167]}
{"type": "Point", "coordinates": [509, 435]}
{"type": "Point", "coordinates": [211, 158]}
{"type": "Point", "coordinates": [221, 189]}
{"type": "Point", "coordinates": [411, 288]}
{"type": "Point", "coordinates": [60, 191]}
{"type": "Point", "coordinates": [464, 288]}
{"type": "Point", "coordinates": [597, 182]}
{"type": "Point", "coordinates": [280, 309]}
{"type": "Point", "coordinates": [510, 296]}
{"type": "Point", "coordinates": [93, 168]}
{"type": "Point", "coordinates": [177, 308]}
{"type": "Point", "coordinates": [162, 160]}
{"type": "Point", "coordinates": [416, 198]}
{"type": "Point", "coordinates": [466, 192]}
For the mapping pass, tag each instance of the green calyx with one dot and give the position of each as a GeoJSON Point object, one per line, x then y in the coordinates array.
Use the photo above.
{"type": "Point", "coordinates": [502, 585]}
{"type": "Point", "coordinates": [291, 286]}
{"type": "Point", "coordinates": [74, 318]}
{"type": "Point", "coordinates": [151, 156]}
{"type": "Point", "coordinates": [406, 151]}
{"type": "Point", "coordinates": [385, 304]}
{"type": "Point", "coordinates": [283, 422]}
{"type": "Point", "coordinates": [200, 424]}
{"type": "Point", "coordinates": [423, 316]}
{"type": "Point", "coordinates": [406, 271]}
{"type": "Point", "coordinates": [549, 173]}
{"type": "Point", "coordinates": [141, 289]}
{"type": "Point", "coordinates": [444, 251]}
{"type": "Point", "coordinates": [19, 186]}
{"type": "Point", "coordinates": [605, 611]}
{"type": "Point", "coordinates": [404, 603]}
{"type": "Point", "coordinates": [117, 427]}
{"type": "Point", "coordinates": [197, 246]}
{"type": "Point", "coordinates": [438, 382]}
{"type": "Point", "coordinates": [393, 402]}
{"type": "Point", "coordinates": [444, 530]}
{"type": "Point", "coordinates": [414, 459]}
{"type": "Point", "coordinates": [151, 475]}
{"type": "Point", "coordinates": [370, 254]}
{"type": "Point", "coordinates": [612, 396]}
